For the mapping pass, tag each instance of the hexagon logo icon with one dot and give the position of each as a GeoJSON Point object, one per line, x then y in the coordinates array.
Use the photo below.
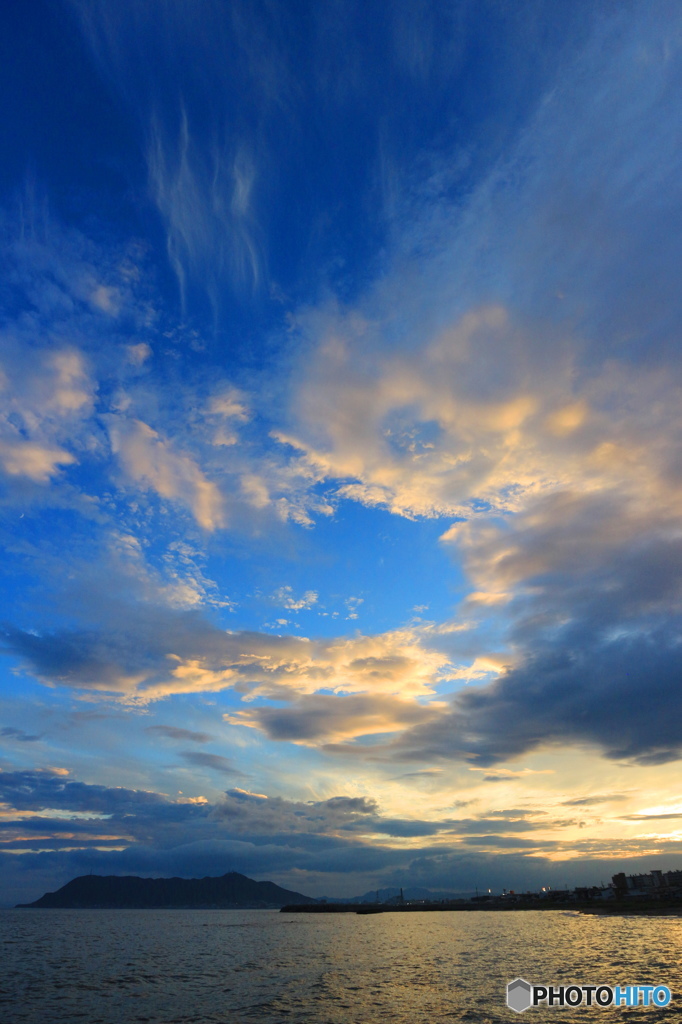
{"type": "Point", "coordinates": [518, 995]}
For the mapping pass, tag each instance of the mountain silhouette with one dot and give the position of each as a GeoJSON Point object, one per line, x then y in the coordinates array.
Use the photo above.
{"type": "Point", "coordinates": [129, 892]}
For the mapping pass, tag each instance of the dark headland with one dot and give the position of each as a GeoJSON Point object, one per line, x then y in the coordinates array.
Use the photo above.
{"type": "Point", "coordinates": [113, 892]}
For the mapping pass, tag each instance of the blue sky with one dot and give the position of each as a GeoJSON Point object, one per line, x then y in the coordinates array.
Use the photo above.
{"type": "Point", "coordinates": [339, 441]}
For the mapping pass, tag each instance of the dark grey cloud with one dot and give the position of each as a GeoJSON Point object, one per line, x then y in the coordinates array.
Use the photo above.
{"type": "Point", "coordinates": [256, 814]}
{"type": "Point", "coordinates": [81, 658]}
{"type": "Point", "coordinates": [352, 804]}
{"type": "Point", "coordinates": [130, 633]}
{"type": "Point", "coordinates": [10, 733]}
{"type": "Point", "coordinates": [38, 790]}
{"type": "Point", "coordinates": [40, 832]}
{"type": "Point", "coordinates": [397, 827]}
{"type": "Point", "coordinates": [317, 828]}
{"type": "Point", "coordinates": [91, 814]}
{"type": "Point", "coordinates": [585, 562]}
{"type": "Point", "coordinates": [423, 773]}
{"type": "Point", "coordinates": [216, 762]}
{"type": "Point", "coordinates": [185, 735]}
{"type": "Point", "coordinates": [509, 842]}
{"type": "Point", "coordinates": [135, 643]}
{"type": "Point", "coordinates": [595, 635]}
{"type": "Point", "coordinates": [54, 826]}
{"type": "Point", "coordinates": [622, 696]}
{"type": "Point", "coordinates": [312, 718]}
{"type": "Point", "coordinates": [589, 801]}
{"type": "Point", "coordinates": [649, 817]}
{"type": "Point", "coordinates": [56, 843]}
{"type": "Point", "coordinates": [407, 827]}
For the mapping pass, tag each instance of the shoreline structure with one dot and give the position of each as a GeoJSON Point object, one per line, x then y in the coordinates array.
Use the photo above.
{"type": "Point", "coordinates": [655, 893]}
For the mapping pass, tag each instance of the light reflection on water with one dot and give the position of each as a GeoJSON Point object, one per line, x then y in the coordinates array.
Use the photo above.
{"type": "Point", "coordinates": [229, 966]}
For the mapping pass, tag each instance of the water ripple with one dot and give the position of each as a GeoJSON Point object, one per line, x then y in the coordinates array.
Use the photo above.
{"type": "Point", "coordinates": [238, 967]}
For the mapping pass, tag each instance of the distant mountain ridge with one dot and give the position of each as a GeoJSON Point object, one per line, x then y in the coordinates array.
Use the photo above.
{"type": "Point", "coordinates": [111, 892]}
{"type": "Point", "coordinates": [409, 893]}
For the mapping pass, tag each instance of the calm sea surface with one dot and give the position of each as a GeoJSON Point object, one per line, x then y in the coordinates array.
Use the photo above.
{"type": "Point", "coordinates": [229, 966]}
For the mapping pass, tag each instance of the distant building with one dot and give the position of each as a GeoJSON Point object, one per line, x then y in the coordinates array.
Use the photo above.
{"type": "Point", "coordinates": [588, 893]}
{"type": "Point", "coordinates": [654, 885]}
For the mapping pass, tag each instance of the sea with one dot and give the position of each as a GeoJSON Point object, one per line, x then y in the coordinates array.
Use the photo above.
{"type": "Point", "coordinates": [232, 966]}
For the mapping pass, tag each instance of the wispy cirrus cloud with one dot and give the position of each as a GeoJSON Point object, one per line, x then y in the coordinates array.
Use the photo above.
{"type": "Point", "coordinates": [202, 139]}
{"type": "Point", "coordinates": [207, 203]}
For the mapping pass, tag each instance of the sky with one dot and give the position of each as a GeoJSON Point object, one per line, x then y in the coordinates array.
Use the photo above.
{"type": "Point", "coordinates": [340, 426]}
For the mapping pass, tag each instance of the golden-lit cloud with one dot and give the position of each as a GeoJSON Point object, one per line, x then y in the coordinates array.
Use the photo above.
{"type": "Point", "coordinates": [45, 399]}
{"type": "Point", "coordinates": [428, 434]}
{"type": "Point", "coordinates": [281, 667]}
{"type": "Point", "coordinates": [152, 461]}
{"type": "Point", "coordinates": [324, 718]}
{"type": "Point", "coordinates": [35, 461]}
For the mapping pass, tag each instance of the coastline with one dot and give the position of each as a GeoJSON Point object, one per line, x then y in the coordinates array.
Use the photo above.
{"type": "Point", "coordinates": [629, 909]}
